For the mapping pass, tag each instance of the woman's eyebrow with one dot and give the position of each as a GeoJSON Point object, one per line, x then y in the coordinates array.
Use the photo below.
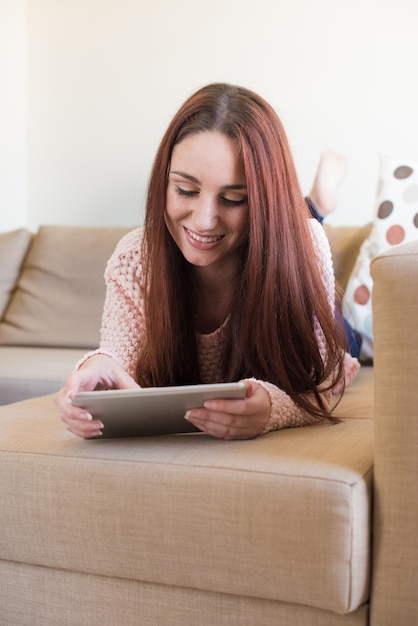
{"type": "Point", "coordinates": [193, 179]}
{"type": "Point", "coordinates": [234, 187]}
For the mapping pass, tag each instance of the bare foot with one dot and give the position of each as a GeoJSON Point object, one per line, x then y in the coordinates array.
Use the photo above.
{"type": "Point", "coordinates": [331, 172]}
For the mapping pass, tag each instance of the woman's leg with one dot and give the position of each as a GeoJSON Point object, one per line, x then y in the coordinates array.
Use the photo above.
{"type": "Point", "coordinates": [332, 170]}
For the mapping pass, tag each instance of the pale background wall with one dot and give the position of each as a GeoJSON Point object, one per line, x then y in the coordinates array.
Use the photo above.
{"type": "Point", "coordinates": [88, 86]}
{"type": "Point", "coordinates": [13, 210]}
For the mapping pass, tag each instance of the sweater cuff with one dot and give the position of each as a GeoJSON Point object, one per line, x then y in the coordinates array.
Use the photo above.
{"type": "Point", "coordinates": [284, 412]}
{"type": "Point", "coordinates": [87, 356]}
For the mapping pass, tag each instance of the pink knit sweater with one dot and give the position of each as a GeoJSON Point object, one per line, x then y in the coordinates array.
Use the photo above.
{"type": "Point", "coordinates": [123, 325]}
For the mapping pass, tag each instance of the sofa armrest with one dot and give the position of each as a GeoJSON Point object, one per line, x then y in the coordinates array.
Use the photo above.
{"type": "Point", "coordinates": [395, 329]}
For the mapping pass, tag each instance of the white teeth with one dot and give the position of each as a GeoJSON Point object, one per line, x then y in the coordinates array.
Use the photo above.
{"type": "Point", "coordinates": [204, 239]}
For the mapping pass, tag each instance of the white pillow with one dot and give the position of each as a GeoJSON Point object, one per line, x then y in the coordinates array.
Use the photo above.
{"type": "Point", "coordinates": [395, 222]}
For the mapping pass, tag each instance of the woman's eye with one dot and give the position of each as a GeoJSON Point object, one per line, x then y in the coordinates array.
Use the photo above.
{"type": "Point", "coordinates": [186, 192]}
{"type": "Point", "coordinates": [230, 202]}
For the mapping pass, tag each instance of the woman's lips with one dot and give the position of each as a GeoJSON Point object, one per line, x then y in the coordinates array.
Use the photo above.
{"type": "Point", "coordinates": [203, 238]}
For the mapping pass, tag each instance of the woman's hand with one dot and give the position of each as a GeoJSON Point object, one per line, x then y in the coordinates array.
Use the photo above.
{"type": "Point", "coordinates": [101, 372]}
{"type": "Point", "coordinates": [234, 419]}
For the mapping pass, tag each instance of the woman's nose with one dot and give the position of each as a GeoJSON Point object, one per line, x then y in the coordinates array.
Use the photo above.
{"type": "Point", "coordinates": [206, 214]}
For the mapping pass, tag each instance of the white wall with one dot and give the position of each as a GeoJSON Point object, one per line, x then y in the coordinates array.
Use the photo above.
{"type": "Point", "coordinates": [12, 115]}
{"type": "Point", "coordinates": [103, 78]}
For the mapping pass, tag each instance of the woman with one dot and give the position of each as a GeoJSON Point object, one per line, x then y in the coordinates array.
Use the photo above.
{"type": "Point", "coordinates": [228, 279]}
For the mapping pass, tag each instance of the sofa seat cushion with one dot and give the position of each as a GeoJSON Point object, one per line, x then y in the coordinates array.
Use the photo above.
{"type": "Point", "coordinates": [282, 517]}
{"type": "Point", "coordinates": [30, 372]}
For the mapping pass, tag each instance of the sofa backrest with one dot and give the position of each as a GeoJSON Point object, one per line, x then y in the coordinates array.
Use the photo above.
{"type": "Point", "coordinates": [59, 296]}
{"type": "Point", "coordinates": [13, 248]}
{"type": "Point", "coordinates": [345, 244]}
{"type": "Point", "coordinates": [52, 287]}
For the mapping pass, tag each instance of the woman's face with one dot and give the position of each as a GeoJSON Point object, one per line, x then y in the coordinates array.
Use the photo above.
{"type": "Point", "coordinates": [207, 204]}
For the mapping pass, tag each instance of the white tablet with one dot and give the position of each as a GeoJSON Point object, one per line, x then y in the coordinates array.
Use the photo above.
{"type": "Point", "coordinates": [151, 410]}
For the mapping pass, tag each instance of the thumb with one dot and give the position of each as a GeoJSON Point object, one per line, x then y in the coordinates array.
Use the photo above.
{"type": "Point", "coordinates": [250, 387]}
{"type": "Point", "coordinates": [127, 382]}
{"type": "Point", "coordinates": [73, 385]}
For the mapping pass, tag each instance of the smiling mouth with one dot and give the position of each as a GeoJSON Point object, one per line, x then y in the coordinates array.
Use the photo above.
{"type": "Point", "coordinates": [203, 239]}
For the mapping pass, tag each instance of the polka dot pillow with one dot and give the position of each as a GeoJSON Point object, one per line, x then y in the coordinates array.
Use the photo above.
{"type": "Point", "coordinates": [395, 222]}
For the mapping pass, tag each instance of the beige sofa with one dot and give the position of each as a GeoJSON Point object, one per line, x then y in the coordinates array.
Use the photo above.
{"type": "Point", "coordinates": [313, 526]}
{"type": "Point", "coordinates": [51, 298]}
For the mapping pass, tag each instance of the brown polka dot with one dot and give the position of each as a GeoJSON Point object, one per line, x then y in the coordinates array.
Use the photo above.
{"type": "Point", "coordinates": [395, 235]}
{"type": "Point", "coordinates": [416, 220]}
{"type": "Point", "coordinates": [403, 171]}
{"type": "Point", "coordinates": [361, 295]}
{"type": "Point", "coordinates": [385, 209]}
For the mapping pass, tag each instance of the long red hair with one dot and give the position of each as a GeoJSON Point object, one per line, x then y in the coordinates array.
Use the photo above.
{"type": "Point", "coordinates": [279, 291]}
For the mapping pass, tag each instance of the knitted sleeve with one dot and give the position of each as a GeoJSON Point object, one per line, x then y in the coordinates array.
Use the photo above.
{"type": "Point", "coordinates": [123, 319]}
{"type": "Point", "coordinates": [323, 252]}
